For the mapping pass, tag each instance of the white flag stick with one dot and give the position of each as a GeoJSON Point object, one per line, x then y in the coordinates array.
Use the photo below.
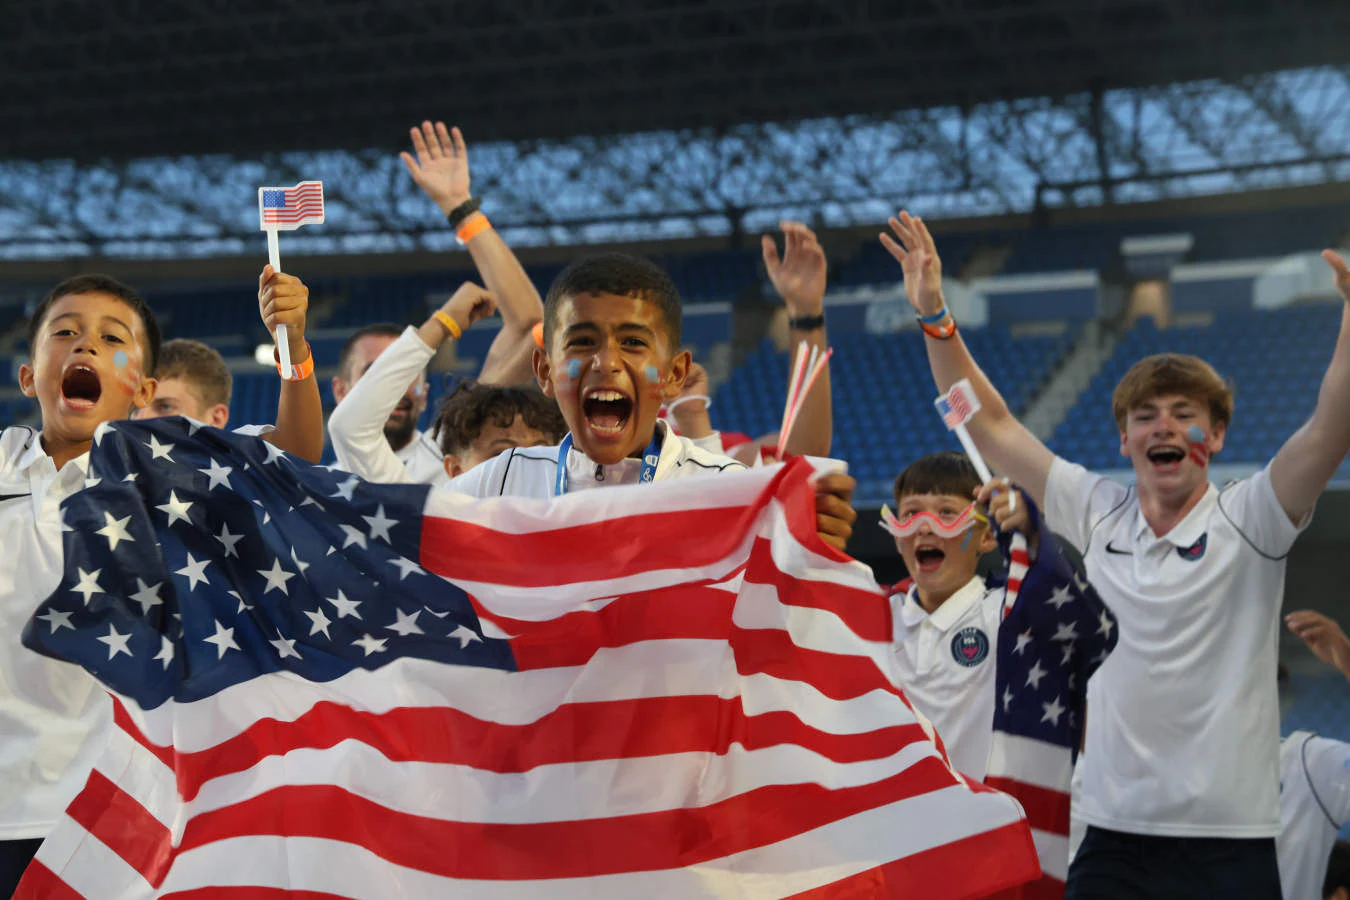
{"type": "Point", "coordinates": [283, 345]}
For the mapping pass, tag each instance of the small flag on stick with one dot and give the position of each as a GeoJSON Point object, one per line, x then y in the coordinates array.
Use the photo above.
{"type": "Point", "coordinates": [286, 209]}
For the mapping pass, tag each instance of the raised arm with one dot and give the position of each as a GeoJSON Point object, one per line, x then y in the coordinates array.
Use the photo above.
{"type": "Point", "coordinates": [799, 278]}
{"type": "Point", "coordinates": [357, 424]}
{"type": "Point", "coordinates": [1300, 471]}
{"type": "Point", "coordinates": [284, 300]}
{"type": "Point", "coordinates": [1007, 445]}
{"type": "Point", "coordinates": [441, 170]}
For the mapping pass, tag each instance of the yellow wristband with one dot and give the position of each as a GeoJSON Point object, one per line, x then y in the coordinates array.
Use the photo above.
{"type": "Point", "coordinates": [448, 323]}
{"type": "Point", "coordinates": [476, 225]}
{"type": "Point", "coordinates": [299, 371]}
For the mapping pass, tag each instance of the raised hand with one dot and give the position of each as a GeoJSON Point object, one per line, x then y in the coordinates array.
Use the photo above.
{"type": "Point", "coordinates": [1341, 270]}
{"type": "Point", "coordinates": [918, 257]}
{"type": "Point", "coordinates": [799, 277]}
{"type": "Point", "coordinates": [695, 383]}
{"type": "Point", "coordinates": [1323, 636]}
{"type": "Point", "coordinates": [469, 304]}
{"type": "Point", "coordinates": [441, 167]}
{"type": "Point", "coordinates": [284, 300]}
{"type": "Point", "coordinates": [1007, 506]}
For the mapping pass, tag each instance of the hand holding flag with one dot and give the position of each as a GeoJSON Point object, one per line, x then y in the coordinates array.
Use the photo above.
{"type": "Point", "coordinates": [286, 209]}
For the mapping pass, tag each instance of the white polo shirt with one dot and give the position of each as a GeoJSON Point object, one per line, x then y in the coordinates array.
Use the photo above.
{"type": "Point", "coordinates": [1314, 804]}
{"type": "Point", "coordinates": [50, 712]}
{"type": "Point", "coordinates": [946, 663]}
{"type": "Point", "coordinates": [423, 460]}
{"type": "Point", "coordinates": [1183, 724]}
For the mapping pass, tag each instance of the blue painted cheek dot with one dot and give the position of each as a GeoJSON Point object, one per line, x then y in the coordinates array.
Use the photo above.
{"type": "Point", "coordinates": [1195, 435]}
{"type": "Point", "coordinates": [965, 542]}
{"type": "Point", "coordinates": [121, 360]}
{"type": "Point", "coordinates": [574, 369]}
{"type": "Point", "coordinates": [653, 376]}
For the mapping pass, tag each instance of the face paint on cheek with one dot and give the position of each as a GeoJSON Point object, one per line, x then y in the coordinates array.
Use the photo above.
{"type": "Point", "coordinates": [573, 369]}
{"type": "Point", "coordinates": [965, 541]}
{"type": "Point", "coordinates": [653, 379]}
{"type": "Point", "coordinates": [1199, 452]}
{"type": "Point", "coordinates": [127, 378]}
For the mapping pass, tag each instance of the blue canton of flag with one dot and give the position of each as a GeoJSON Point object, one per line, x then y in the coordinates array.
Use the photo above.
{"type": "Point", "coordinates": [197, 559]}
{"type": "Point", "coordinates": [274, 198]}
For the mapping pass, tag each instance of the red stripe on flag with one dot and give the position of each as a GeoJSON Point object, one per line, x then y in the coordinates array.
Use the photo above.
{"type": "Point", "coordinates": [867, 613]}
{"type": "Point", "coordinates": [1047, 887]}
{"type": "Point", "coordinates": [250, 892]}
{"type": "Point", "coordinates": [1047, 810]}
{"type": "Point", "coordinates": [839, 677]}
{"type": "Point", "coordinates": [576, 849]}
{"type": "Point", "coordinates": [41, 883]}
{"type": "Point", "coordinates": [118, 820]}
{"type": "Point", "coordinates": [960, 869]}
{"type": "Point", "coordinates": [573, 733]}
{"type": "Point", "coordinates": [122, 719]}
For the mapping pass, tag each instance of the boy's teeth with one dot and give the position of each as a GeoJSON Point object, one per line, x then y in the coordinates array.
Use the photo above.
{"type": "Point", "coordinates": [606, 395]}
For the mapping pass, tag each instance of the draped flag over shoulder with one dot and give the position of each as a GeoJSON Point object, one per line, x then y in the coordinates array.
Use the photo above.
{"type": "Point", "coordinates": [327, 688]}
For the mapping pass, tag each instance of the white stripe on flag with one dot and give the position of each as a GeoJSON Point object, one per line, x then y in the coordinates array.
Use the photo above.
{"type": "Point", "coordinates": [1030, 761]}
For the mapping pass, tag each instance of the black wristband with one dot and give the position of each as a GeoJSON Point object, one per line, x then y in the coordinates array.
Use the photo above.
{"type": "Point", "coordinates": [807, 323]}
{"type": "Point", "coordinates": [457, 215]}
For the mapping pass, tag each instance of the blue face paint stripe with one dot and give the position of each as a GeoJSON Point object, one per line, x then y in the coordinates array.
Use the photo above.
{"type": "Point", "coordinates": [574, 369]}
{"type": "Point", "coordinates": [121, 360]}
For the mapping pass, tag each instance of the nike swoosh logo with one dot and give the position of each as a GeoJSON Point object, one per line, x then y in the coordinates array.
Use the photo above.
{"type": "Point", "coordinates": [4, 497]}
{"type": "Point", "coordinates": [1110, 549]}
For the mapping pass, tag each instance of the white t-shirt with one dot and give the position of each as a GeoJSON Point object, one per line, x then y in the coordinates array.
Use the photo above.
{"type": "Point", "coordinates": [1314, 804]}
{"type": "Point", "coordinates": [946, 662]}
{"type": "Point", "coordinates": [52, 713]}
{"type": "Point", "coordinates": [533, 471]}
{"type": "Point", "coordinates": [1183, 717]}
{"type": "Point", "coordinates": [356, 426]}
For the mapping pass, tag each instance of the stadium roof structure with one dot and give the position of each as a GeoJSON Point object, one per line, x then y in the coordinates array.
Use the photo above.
{"type": "Point", "coordinates": [142, 129]}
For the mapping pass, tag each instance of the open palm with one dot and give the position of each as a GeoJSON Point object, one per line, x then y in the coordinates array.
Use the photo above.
{"type": "Point", "coordinates": [441, 167]}
{"type": "Point", "coordinates": [918, 258]}
{"type": "Point", "coordinates": [799, 277]}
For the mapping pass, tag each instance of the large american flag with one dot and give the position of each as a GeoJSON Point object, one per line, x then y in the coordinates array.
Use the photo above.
{"type": "Point", "coordinates": [327, 688]}
{"type": "Point", "coordinates": [1056, 631]}
{"type": "Point", "coordinates": [287, 208]}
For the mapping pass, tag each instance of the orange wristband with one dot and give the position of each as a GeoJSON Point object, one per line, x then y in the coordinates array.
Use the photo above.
{"type": "Point", "coordinates": [939, 332]}
{"type": "Point", "coordinates": [476, 225]}
{"type": "Point", "coordinates": [299, 371]}
{"type": "Point", "coordinates": [448, 323]}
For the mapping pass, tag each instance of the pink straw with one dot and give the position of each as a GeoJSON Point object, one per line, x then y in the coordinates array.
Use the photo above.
{"type": "Point", "coordinates": [819, 364]}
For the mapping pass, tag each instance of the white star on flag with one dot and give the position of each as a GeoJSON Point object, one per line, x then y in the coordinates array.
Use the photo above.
{"type": "Point", "coordinates": [344, 606]}
{"type": "Point", "coordinates": [117, 642]}
{"type": "Point", "coordinates": [406, 567]}
{"type": "Point", "coordinates": [353, 537]}
{"type": "Point", "coordinates": [1007, 698]}
{"type": "Point", "coordinates": [274, 452]}
{"type": "Point", "coordinates": [165, 654]}
{"type": "Point", "coordinates": [299, 563]}
{"type": "Point", "coordinates": [1060, 596]}
{"type": "Point", "coordinates": [92, 481]}
{"type": "Point", "coordinates": [194, 571]}
{"type": "Point", "coordinates": [1067, 631]}
{"type": "Point", "coordinates": [1035, 675]}
{"type": "Point", "coordinates": [1022, 640]}
{"type": "Point", "coordinates": [465, 635]}
{"type": "Point", "coordinates": [57, 619]}
{"type": "Point", "coordinates": [380, 525]}
{"type": "Point", "coordinates": [88, 584]}
{"type": "Point", "coordinates": [223, 639]}
{"type": "Point", "coordinates": [115, 530]}
{"type": "Point", "coordinates": [176, 509]}
{"type": "Point", "coordinates": [319, 623]}
{"type": "Point", "coordinates": [346, 488]}
{"type": "Point", "coordinates": [285, 647]}
{"type": "Point", "coordinates": [147, 595]}
{"type": "Point", "coordinates": [1069, 650]}
{"type": "Point", "coordinates": [158, 450]}
{"type": "Point", "coordinates": [405, 623]}
{"type": "Point", "coordinates": [217, 475]}
{"type": "Point", "coordinates": [369, 644]}
{"type": "Point", "coordinates": [1053, 711]}
{"type": "Point", "coordinates": [228, 541]}
{"type": "Point", "coordinates": [100, 431]}
{"type": "Point", "coordinates": [1106, 624]}
{"type": "Point", "coordinates": [276, 578]}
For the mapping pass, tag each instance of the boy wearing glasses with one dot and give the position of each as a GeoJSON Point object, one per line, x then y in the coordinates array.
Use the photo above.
{"type": "Point", "coordinates": [947, 624]}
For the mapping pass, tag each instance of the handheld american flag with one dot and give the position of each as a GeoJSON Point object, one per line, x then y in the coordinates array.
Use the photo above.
{"type": "Point", "coordinates": [286, 209]}
{"type": "Point", "coordinates": [334, 688]}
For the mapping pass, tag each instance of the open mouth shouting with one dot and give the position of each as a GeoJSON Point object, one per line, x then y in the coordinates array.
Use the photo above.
{"type": "Point", "coordinates": [607, 411]}
{"type": "Point", "coordinates": [929, 557]}
{"type": "Point", "coordinates": [1166, 458]}
{"type": "Point", "coordinates": [81, 387]}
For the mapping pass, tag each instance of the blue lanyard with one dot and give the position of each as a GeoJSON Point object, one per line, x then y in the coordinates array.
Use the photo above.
{"type": "Point", "coordinates": [650, 457]}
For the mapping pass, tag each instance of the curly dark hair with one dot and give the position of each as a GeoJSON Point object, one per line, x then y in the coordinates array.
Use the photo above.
{"type": "Point", "coordinates": [621, 274]}
{"type": "Point", "coordinates": [460, 417]}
